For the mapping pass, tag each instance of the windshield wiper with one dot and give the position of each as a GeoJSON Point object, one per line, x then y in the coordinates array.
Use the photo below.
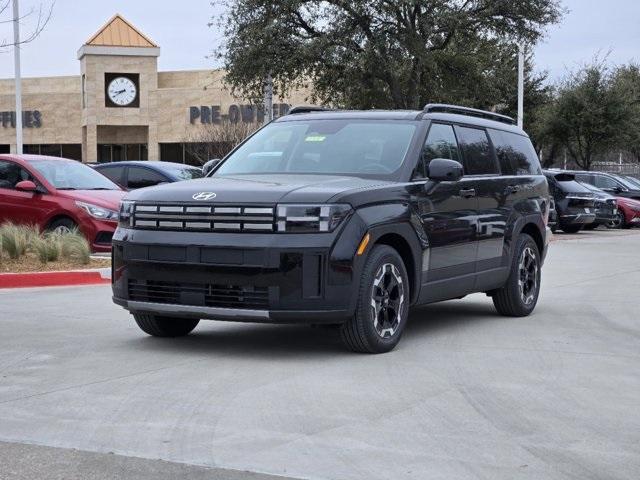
{"type": "Point", "coordinates": [99, 188]}
{"type": "Point", "coordinates": [66, 188]}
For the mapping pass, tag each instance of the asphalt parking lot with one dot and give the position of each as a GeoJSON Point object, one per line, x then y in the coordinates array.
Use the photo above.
{"type": "Point", "coordinates": [467, 394]}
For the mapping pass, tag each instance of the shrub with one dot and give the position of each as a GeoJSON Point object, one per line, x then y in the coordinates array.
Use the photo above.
{"type": "Point", "coordinates": [75, 247]}
{"type": "Point", "coordinates": [48, 247]}
{"type": "Point", "coordinates": [17, 238]}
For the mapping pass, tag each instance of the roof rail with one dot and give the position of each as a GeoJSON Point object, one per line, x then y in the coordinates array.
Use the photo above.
{"type": "Point", "coordinates": [306, 109]}
{"type": "Point", "coordinates": [472, 112]}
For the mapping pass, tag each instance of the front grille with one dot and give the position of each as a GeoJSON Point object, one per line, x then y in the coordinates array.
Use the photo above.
{"type": "Point", "coordinates": [581, 202]}
{"type": "Point", "coordinates": [208, 295]}
{"type": "Point", "coordinates": [219, 218]}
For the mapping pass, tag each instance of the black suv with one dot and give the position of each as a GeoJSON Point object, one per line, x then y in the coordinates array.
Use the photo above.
{"type": "Point", "coordinates": [341, 217]}
{"type": "Point", "coordinates": [575, 203]}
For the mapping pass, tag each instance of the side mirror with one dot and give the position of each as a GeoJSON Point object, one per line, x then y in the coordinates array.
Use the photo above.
{"type": "Point", "coordinates": [618, 189]}
{"type": "Point", "coordinates": [208, 167]}
{"type": "Point", "coordinates": [26, 186]}
{"type": "Point", "coordinates": [444, 170]}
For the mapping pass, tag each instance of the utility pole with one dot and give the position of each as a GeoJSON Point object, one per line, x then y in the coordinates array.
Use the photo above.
{"type": "Point", "coordinates": [520, 84]}
{"type": "Point", "coordinates": [268, 99]}
{"type": "Point", "coordinates": [18, 79]}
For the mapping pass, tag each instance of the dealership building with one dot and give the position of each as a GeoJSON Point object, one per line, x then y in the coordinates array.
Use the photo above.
{"type": "Point", "coordinates": [121, 107]}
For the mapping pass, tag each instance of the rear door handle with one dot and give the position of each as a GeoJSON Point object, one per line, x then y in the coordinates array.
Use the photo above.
{"type": "Point", "coordinates": [471, 192]}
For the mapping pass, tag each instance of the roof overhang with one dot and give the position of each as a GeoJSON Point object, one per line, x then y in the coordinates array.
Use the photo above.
{"type": "Point", "coordinates": [118, 51]}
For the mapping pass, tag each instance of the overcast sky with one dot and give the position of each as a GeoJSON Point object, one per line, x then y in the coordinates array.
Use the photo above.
{"type": "Point", "coordinates": [180, 28]}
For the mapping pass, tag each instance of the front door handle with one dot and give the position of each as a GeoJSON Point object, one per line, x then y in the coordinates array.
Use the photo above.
{"type": "Point", "coordinates": [471, 192]}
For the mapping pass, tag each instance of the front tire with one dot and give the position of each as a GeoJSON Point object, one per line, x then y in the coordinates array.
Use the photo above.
{"type": "Point", "coordinates": [62, 225]}
{"type": "Point", "coordinates": [519, 296]}
{"type": "Point", "coordinates": [383, 304]}
{"type": "Point", "coordinates": [158, 326]}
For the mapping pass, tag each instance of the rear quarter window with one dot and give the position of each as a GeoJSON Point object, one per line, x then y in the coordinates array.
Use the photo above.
{"type": "Point", "coordinates": [515, 153]}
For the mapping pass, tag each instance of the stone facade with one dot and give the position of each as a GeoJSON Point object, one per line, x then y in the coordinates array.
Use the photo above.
{"type": "Point", "coordinates": [74, 110]}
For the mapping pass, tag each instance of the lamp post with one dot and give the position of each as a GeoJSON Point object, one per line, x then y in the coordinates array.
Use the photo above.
{"type": "Point", "coordinates": [520, 84]}
{"type": "Point", "coordinates": [18, 80]}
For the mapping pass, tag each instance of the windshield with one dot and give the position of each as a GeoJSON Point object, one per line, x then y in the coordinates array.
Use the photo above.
{"type": "Point", "coordinates": [72, 175]}
{"type": "Point", "coordinates": [627, 183]}
{"type": "Point", "coordinates": [634, 181]}
{"type": "Point", "coordinates": [343, 147]}
{"type": "Point", "coordinates": [187, 173]}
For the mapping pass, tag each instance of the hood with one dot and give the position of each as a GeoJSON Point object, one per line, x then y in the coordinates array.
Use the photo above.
{"type": "Point", "coordinates": [102, 198]}
{"type": "Point", "coordinates": [257, 189]}
{"type": "Point", "coordinates": [628, 201]}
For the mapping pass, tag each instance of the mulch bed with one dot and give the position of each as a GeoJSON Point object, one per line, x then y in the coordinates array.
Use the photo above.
{"type": "Point", "coordinates": [31, 263]}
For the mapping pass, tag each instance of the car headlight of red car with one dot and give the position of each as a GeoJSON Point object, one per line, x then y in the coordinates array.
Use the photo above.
{"type": "Point", "coordinates": [95, 211]}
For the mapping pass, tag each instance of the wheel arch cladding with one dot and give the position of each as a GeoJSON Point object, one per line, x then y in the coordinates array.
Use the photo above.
{"type": "Point", "coordinates": [533, 231]}
{"type": "Point", "coordinates": [401, 245]}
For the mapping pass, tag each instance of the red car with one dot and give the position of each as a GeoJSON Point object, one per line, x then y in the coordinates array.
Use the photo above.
{"type": "Point", "coordinates": [628, 212]}
{"type": "Point", "coordinates": [58, 194]}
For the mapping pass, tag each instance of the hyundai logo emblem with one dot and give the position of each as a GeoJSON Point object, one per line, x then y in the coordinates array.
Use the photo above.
{"type": "Point", "coordinates": [203, 196]}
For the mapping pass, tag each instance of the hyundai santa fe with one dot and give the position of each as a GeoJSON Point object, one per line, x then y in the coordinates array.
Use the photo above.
{"type": "Point", "coordinates": [346, 218]}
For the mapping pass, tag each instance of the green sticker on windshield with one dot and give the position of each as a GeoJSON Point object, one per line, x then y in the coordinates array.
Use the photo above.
{"type": "Point", "coordinates": [315, 138]}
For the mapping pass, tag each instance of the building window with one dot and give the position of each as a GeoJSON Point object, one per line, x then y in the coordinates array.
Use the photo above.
{"type": "Point", "coordinates": [66, 150]}
{"type": "Point", "coordinates": [116, 152]}
{"type": "Point", "coordinates": [5, 148]}
{"type": "Point", "coordinates": [193, 153]}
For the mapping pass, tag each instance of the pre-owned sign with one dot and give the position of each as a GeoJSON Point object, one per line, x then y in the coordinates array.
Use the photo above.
{"type": "Point", "coordinates": [236, 113]}
{"type": "Point", "coordinates": [30, 119]}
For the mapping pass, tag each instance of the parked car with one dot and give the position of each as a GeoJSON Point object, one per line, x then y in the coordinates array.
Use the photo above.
{"type": "Point", "coordinates": [139, 174]}
{"type": "Point", "coordinates": [628, 213]}
{"type": "Point", "coordinates": [58, 194]}
{"type": "Point", "coordinates": [610, 183]}
{"type": "Point", "coordinates": [606, 208]}
{"type": "Point", "coordinates": [635, 181]}
{"type": "Point", "coordinates": [575, 204]}
{"type": "Point", "coordinates": [343, 218]}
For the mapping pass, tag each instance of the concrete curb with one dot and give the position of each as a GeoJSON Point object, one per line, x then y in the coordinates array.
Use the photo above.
{"type": "Point", "coordinates": [55, 279]}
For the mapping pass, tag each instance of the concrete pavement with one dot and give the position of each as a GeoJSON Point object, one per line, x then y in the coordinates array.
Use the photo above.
{"type": "Point", "coordinates": [467, 394]}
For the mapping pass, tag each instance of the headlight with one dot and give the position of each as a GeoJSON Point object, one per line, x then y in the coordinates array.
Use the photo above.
{"type": "Point", "coordinates": [126, 211]}
{"type": "Point", "coordinates": [95, 211]}
{"type": "Point", "coordinates": [311, 218]}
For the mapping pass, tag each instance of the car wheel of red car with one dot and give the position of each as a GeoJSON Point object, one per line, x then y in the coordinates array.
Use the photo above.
{"type": "Point", "coordinates": [62, 225]}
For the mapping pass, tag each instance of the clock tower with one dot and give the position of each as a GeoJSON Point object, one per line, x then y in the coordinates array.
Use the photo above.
{"type": "Point", "coordinates": [119, 72]}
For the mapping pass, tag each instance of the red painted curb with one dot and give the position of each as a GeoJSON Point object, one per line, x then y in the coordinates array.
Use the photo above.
{"type": "Point", "coordinates": [51, 279]}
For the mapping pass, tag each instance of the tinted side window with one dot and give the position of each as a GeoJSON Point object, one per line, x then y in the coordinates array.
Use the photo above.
{"type": "Point", "coordinates": [440, 143]}
{"type": "Point", "coordinates": [586, 178]}
{"type": "Point", "coordinates": [140, 177]}
{"type": "Point", "coordinates": [478, 157]}
{"type": "Point", "coordinates": [515, 154]}
{"type": "Point", "coordinates": [602, 181]}
{"type": "Point", "coordinates": [113, 173]}
{"type": "Point", "coordinates": [12, 173]}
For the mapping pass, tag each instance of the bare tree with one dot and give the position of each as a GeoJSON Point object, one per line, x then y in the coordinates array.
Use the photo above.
{"type": "Point", "coordinates": [38, 17]}
{"type": "Point", "coordinates": [215, 141]}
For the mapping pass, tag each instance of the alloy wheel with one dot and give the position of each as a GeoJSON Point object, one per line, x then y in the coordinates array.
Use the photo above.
{"type": "Point", "coordinates": [62, 230]}
{"type": "Point", "coordinates": [387, 300]}
{"type": "Point", "coordinates": [528, 275]}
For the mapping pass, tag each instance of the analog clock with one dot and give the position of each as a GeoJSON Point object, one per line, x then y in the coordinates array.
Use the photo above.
{"type": "Point", "coordinates": [122, 91]}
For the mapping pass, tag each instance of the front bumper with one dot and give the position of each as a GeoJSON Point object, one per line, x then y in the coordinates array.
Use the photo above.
{"type": "Point", "coordinates": [577, 219]}
{"type": "Point", "coordinates": [99, 233]}
{"type": "Point", "coordinates": [235, 314]}
{"type": "Point", "coordinates": [274, 278]}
